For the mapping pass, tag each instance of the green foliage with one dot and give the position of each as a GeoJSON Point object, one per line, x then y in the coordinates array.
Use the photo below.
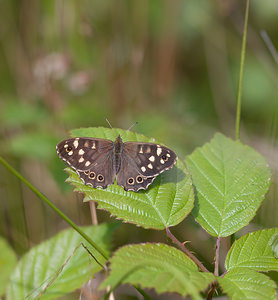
{"type": "Point", "coordinates": [253, 251]}
{"type": "Point", "coordinates": [157, 266]}
{"type": "Point", "coordinates": [7, 263]}
{"type": "Point", "coordinates": [231, 180]}
{"type": "Point", "coordinates": [246, 284]}
{"type": "Point", "coordinates": [59, 265]}
{"type": "Point", "coordinates": [165, 203]}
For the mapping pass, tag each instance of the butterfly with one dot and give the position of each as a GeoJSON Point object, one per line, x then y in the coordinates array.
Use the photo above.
{"type": "Point", "coordinates": [99, 161]}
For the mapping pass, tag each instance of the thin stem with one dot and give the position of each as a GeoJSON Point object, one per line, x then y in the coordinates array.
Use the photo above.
{"type": "Point", "coordinates": [143, 293]}
{"type": "Point", "coordinates": [216, 269]}
{"type": "Point", "coordinates": [242, 60]}
{"type": "Point", "coordinates": [93, 212]}
{"type": "Point", "coordinates": [47, 201]}
{"type": "Point", "coordinates": [216, 263]}
{"type": "Point", "coordinates": [185, 250]}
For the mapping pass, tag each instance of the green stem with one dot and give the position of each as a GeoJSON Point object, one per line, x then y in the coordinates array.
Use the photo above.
{"type": "Point", "coordinates": [242, 59]}
{"type": "Point", "coordinates": [46, 200]}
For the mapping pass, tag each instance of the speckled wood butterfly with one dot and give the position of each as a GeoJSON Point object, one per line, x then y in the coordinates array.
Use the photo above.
{"type": "Point", "coordinates": [98, 161]}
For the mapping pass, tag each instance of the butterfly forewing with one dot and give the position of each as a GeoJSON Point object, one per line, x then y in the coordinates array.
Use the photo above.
{"type": "Point", "coordinates": [84, 153]}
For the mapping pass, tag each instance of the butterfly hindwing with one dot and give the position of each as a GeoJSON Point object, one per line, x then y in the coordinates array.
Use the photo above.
{"type": "Point", "coordinates": [101, 174]}
{"type": "Point", "coordinates": [129, 177]}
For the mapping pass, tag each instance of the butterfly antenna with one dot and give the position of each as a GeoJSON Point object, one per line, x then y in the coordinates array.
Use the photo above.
{"type": "Point", "coordinates": [109, 124]}
{"type": "Point", "coordinates": [132, 125]}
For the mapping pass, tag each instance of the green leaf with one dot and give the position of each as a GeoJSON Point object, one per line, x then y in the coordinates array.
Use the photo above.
{"type": "Point", "coordinates": [157, 266]}
{"type": "Point", "coordinates": [231, 180]}
{"type": "Point", "coordinates": [243, 283]}
{"type": "Point", "coordinates": [59, 265]}
{"type": "Point", "coordinates": [7, 263]}
{"type": "Point", "coordinates": [254, 251]}
{"type": "Point", "coordinates": [167, 201]}
{"type": "Point", "coordinates": [274, 245]}
{"type": "Point", "coordinates": [35, 145]}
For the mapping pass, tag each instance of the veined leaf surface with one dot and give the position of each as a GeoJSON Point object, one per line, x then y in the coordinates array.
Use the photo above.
{"type": "Point", "coordinates": [158, 266]}
{"type": "Point", "coordinates": [246, 284]}
{"type": "Point", "coordinates": [231, 180]}
{"type": "Point", "coordinates": [58, 266]}
{"type": "Point", "coordinates": [254, 251]}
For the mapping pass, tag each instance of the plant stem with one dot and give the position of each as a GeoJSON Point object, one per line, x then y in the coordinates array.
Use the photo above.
{"type": "Point", "coordinates": [185, 250]}
{"type": "Point", "coordinates": [242, 59]}
{"type": "Point", "coordinates": [47, 201]}
{"type": "Point", "coordinates": [216, 263]}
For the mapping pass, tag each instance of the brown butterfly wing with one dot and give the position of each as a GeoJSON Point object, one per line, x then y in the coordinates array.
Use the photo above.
{"type": "Point", "coordinates": [91, 158]}
{"type": "Point", "coordinates": [142, 162]}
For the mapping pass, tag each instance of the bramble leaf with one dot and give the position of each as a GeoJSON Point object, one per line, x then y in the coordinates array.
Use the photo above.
{"type": "Point", "coordinates": [158, 266]}
{"type": "Point", "coordinates": [231, 180]}
{"type": "Point", "coordinates": [59, 265]}
{"type": "Point", "coordinates": [246, 284]}
{"type": "Point", "coordinates": [253, 251]}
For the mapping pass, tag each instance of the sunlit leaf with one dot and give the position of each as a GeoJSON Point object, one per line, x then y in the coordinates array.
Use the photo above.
{"type": "Point", "coordinates": [167, 201]}
{"type": "Point", "coordinates": [7, 263]}
{"type": "Point", "coordinates": [231, 180]}
{"type": "Point", "coordinates": [59, 265]}
{"type": "Point", "coordinates": [246, 284]}
{"type": "Point", "coordinates": [157, 266]}
{"type": "Point", "coordinates": [254, 251]}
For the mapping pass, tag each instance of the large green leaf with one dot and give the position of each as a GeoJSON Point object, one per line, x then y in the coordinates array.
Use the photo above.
{"type": "Point", "coordinates": [231, 180]}
{"type": "Point", "coordinates": [7, 263]}
{"type": "Point", "coordinates": [59, 265]}
{"type": "Point", "coordinates": [157, 266]}
{"type": "Point", "coordinates": [254, 251]}
{"type": "Point", "coordinates": [246, 284]}
{"type": "Point", "coordinates": [165, 203]}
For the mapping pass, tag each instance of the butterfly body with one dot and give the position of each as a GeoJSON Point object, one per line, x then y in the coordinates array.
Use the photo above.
{"type": "Point", "coordinates": [99, 161]}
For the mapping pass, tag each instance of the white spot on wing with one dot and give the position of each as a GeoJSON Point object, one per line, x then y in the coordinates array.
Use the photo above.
{"type": "Point", "coordinates": [94, 145]}
{"type": "Point", "coordinates": [141, 149]}
{"type": "Point", "coordinates": [87, 163]}
{"type": "Point", "coordinates": [81, 152]}
{"type": "Point", "coordinates": [70, 153]}
{"type": "Point", "coordinates": [150, 166]}
{"type": "Point", "coordinates": [66, 146]}
{"type": "Point", "coordinates": [158, 150]}
{"type": "Point", "coordinates": [143, 169]}
{"type": "Point", "coordinates": [152, 158]}
{"type": "Point", "coordinates": [75, 143]}
{"type": "Point", "coordinates": [162, 161]}
{"type": "Point", "coordinates": [81, 159]}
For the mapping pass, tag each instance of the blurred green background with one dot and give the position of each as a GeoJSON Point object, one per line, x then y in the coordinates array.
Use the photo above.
{"type": "Point", "coordinates": [170, 65]}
